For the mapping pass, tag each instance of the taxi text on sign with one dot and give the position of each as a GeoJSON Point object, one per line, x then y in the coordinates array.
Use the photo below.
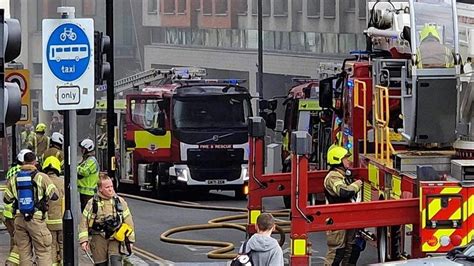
{"type": "Point", "coordinates": [68, 64]}
{"type": "Point", "coordinates": [22, 78]}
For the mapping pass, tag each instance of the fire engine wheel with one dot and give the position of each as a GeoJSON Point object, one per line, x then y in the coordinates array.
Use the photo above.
{"type": "Point", "coordinates": [382, 239]}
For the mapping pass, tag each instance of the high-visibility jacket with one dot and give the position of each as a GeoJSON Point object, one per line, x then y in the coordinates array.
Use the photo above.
{"type": "Point", "coordinates": [8, 209]}
{"type": "Point", "coordinates": [28, 140]}
{"type": "Point", "coordinates": [88, 175]}
{"type": "Point", "coordinates": [105, 207]}
{"type": "Point", "coordinates": [432, 54]}
{"type": "Point", "coordinates": [44, 186]}
{"type": "Point", "coordinates": [54, 219]}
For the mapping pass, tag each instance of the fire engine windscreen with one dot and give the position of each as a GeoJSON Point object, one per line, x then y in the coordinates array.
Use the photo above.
{"type": "Point", "coordinates": [146, 113]}
{"type": "Point", "coordinates": [223, 111]}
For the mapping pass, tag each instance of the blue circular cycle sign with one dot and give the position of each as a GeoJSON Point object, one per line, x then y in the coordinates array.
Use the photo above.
{"type": "Point", "coordinates": [68, 52]}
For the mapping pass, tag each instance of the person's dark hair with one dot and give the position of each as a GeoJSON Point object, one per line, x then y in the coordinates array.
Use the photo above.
{"type": "Point", "coordinates": [469, 59]}
{"type": "Point", "coordinates": [30, 157]}
{"type": "Point", "coordinates": [265, 221]}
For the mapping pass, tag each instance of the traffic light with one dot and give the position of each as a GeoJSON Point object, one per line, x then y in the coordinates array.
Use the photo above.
{"type": "Point", "coordinates": [10, 95]}
{"type": "Point", "coordinates": [101, 66]}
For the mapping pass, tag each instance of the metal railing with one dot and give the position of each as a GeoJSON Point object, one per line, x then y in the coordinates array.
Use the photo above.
{"type": "Point", "coordinates": [357, 87]}
{"type": "Point", "coordinates": [383, 146]}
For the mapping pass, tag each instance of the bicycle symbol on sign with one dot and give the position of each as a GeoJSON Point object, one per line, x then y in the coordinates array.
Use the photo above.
{"type": "Point", "coordinates": [69, 34]}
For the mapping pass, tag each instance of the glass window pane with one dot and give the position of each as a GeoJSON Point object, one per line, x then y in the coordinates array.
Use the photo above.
{"type": "Point", "coordinates": [329, 41]}
{"type": "Point", "coordinates": [297, 41]}
{"type": "Point", "coordinates": [347, 43]}
{"type": "Point", "coordinates": [362, 8]}
{"type": "Point", "coordinates": [181, 6]}
{"type": "Point", "coordinates": [152, 6]}
{"type": "Point", "coordinates": [313, 42]}
{"type": "Point", "coordinates": [168, 6]}
{"type": "Point", "coordinates": [313, 8]}
{"type": "Point", "coordinates": [221, 6]}
{"type": "Point", "coordinates": [252, 39]}
{"type": "Point", "coordinates": [280, 7]}
{"type": "Point", "coordinates": [329, 8]}
{"type": "Point", "coordinates": [269, 40]}
{"type": "Point", "coordinates": [282, 40]}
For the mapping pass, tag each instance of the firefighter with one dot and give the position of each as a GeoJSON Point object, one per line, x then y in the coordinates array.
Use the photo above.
{"type": "Point", "coordinates": [106, 228]}
{"type": "Point", "coordinates": [431, 53]}
{"type": "Point", "coordinates": [55, 147]}
{"type": "Point", "coordinates": [340, 188]}
{"type": "Point", "coordinates": [87, 172]}
{"type": "Point", "coordinates": [54, 219]}
{"type": "Point", "coordinates": [9, 211]}
{"type": "Point", "coordinates": [30, 192]}
{"type": "Point", "coordinates": [41, 140]}
{"type": "Point", "coordinates": [28, 138]}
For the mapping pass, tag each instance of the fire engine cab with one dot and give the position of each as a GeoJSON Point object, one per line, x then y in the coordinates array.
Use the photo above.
{"type": "Point", "coordinates": [181, 131]}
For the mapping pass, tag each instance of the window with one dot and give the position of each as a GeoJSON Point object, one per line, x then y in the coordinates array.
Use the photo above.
{"type": "Point", "coordinates": [297, 41]}
{"type": "Point", "coordinates": [168, 6]}
{"type": "Point", "coordinates": [269, 40]}
{"type": "Point", "coordinates": [329, 8]}
{"type": "Point", "coordinates": [329, 43]}
{"type": "Point", "coordinates": [362, 8]}
{"type": "Point", "coordinates": [313, 8]}
{"type": "Point", "coordinates": [224, 37]}
{"type": "Point", "coordinates": [206, 7]}
{"type": "Point", "coordinates": [182, 6]}
{"type": "Point", "coordinates": [266, 6]}
{"type": "Point", "coordinates": [89, 6]}
{"type": "Point", "coordinates": [280, 7]}
{"type": "Point", "coordinates": [282, 40]}
{"type": "Point", "coordinates": [313, 42]}
{"type": "Point", "coordinates": [221, 6]}
{"type": "Point", "coordinates": [152, 6]}
{"type": "Point", "coordinates": [347, 43]}
{"type": "Point", "coordinates": [242, 7]}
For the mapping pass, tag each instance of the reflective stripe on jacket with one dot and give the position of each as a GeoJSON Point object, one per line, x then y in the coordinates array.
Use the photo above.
{"type": "Point", "coordinates": [54, 219]}
{"type": "Point", "coordinates": [44, 186]}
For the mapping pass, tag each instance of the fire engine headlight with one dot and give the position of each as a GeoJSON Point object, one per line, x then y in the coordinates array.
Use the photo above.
{"type": "Point", "coordinates": [245, 173]}
{"type": "Point", "coordinates": [182, 174]}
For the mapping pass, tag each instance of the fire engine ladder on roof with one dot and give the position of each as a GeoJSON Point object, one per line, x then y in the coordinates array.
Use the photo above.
{"type": "Point", "coordinates": [139, 79]}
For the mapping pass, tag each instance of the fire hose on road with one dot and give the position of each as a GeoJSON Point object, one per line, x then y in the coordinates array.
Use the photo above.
{"type": "Point", "coordinates": [222, 248]}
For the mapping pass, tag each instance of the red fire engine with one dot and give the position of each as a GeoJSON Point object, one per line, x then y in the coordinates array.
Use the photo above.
{"type": "Point", "coordinates": [399, 117]}
{"type": "Point", "coordinates": [184, 132]}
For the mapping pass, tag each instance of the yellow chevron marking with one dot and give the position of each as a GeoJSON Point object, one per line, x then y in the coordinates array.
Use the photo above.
{"type": "Point", "coordinates": [451, 190]}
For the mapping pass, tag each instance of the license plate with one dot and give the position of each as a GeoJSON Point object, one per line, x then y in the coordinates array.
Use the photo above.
{"type": "Point", "coordinates": [216, 182]}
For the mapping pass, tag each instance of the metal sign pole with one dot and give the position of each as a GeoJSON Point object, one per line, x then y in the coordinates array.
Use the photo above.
{"type": "Point", "coordinates": [70, 176]}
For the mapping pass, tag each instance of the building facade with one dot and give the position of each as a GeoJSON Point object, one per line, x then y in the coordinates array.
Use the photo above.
{"type": "Point", "coordinates": [222, 35]}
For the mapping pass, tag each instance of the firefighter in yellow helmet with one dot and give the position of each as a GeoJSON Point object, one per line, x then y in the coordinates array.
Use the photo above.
{"type": "Point", "coordinates": [106, 228]}
{"type": "Point", "coordinates": [340, 188]}
{"type": "Point", "coordinates": [9, 211]}
{"type": "Point", "coordinates": [54, 220]}
{"type": "Point", "coordinates": [42, 141]}
{"type": "Point", "coordinates": [30, 191]}
{"type": "Point", "coordinates": [431, 53]}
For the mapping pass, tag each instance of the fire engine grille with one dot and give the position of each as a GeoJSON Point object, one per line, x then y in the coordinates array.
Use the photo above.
{"type": "Point", "coordinates": [215, 164]}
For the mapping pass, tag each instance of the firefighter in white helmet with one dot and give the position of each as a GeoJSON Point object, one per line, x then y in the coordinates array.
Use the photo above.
{"type": "Point", "coordinates": [87, 172]}
{"type": "Point", "coordinates": [55, 147]}
{"type": "Point", "coordinates": [9, 211]}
